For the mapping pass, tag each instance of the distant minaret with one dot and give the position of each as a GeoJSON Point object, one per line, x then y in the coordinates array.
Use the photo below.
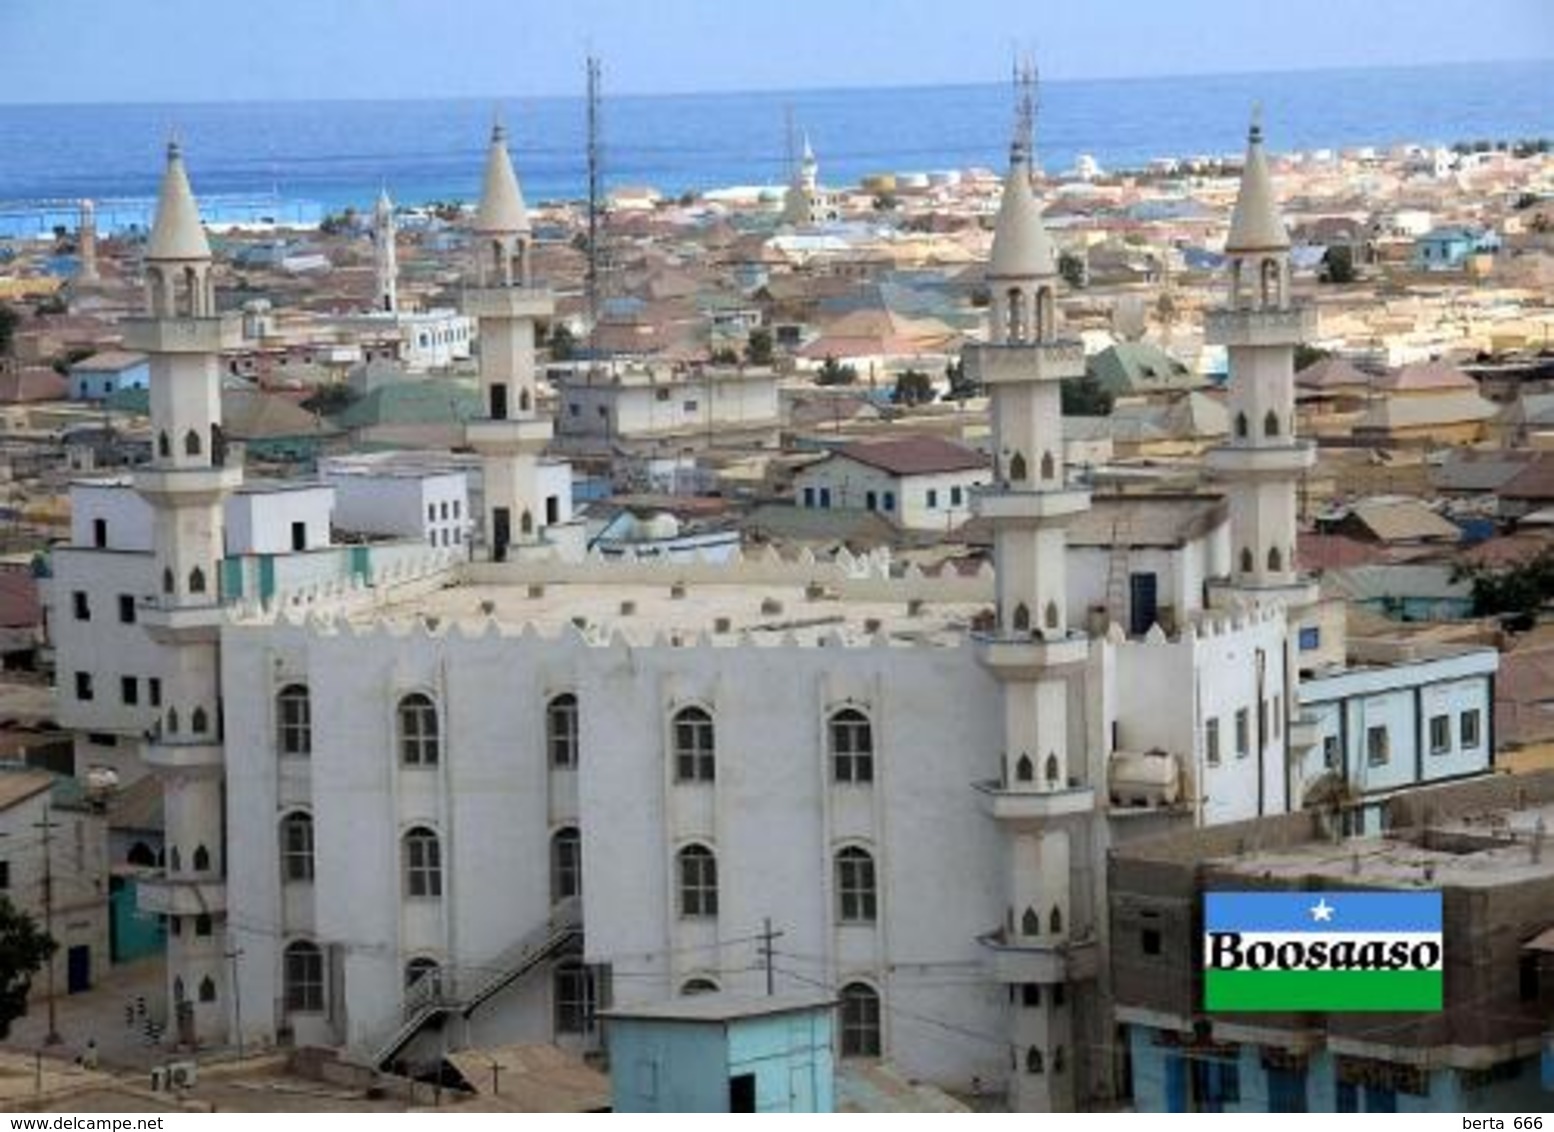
{"type": "Point", "coordinates": [1263, 459]}
{"type": "Point", "coordinates": [385, 257]}
{"type": "Point", "coordinates": [1042, 794]}
{"type": "Point", "coordinates": [511, 436]}
{"type": "Point", "coordinates": [86, 244]}
{"type": "Point", "coordinates": [799, 202]}
{"type": "Point", "coordinates": [809, 169]}
{"type": "Point", "coordinates": [186, 483]}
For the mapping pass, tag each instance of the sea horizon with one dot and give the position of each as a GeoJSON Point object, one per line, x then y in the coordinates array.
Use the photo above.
{"type": "Point", "coordinates": [294, 159]}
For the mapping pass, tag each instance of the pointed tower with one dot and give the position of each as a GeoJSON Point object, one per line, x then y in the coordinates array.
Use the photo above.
{"type": "Point", "coordinates": [1263, 460]}
{"type": "Point", "coordinates": [385, 256]}
{"type": "Point", "coordinates": [511, 436]}
{"type": "Point", "coordinates": [186, 484]}
{"type": "Point", "coordinates": [86, 244]}
{"type": "Point", "coordinates": [1040, 799]}
{"type": "Point", "coordinates": [809, 169]}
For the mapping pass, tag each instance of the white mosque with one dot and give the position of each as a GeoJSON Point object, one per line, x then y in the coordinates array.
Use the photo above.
{"type": "Point", "coordinates": [437, 802]}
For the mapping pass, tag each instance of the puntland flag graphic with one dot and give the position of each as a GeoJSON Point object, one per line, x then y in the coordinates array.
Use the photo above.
{"type": "Point", "coordinates": [1334, 951]}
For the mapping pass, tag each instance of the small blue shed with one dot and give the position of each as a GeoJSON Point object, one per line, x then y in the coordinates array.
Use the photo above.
{"type": "Point", "coordinates": [722, 1053]}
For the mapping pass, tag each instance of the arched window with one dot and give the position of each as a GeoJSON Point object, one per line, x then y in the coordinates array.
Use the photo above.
{"type": "Point", "coordinates": [1048, 466]}
{"type": "Point", "coordinates": [1046, 315]}
{"type": "Point", "coordinates": [852, 746]}
{"type": "Point", "coordinates": [164, 446]}
{"type": "Point", "coordinates": [207, 989]}
{"type": "Point", "coordinates": [694, 746]}
{"type": "Point", "coordinates": [203, 924]}
{"type": "Point", "coordinates": [167, 581]}
{"type": "Point", "coordinates": [1248, 563]}
{"type": "Point", "coordinates": [561, 730]}
{"type": "Point", "coordinates": [201, 859]}
{"type": "Point", "coordinates": [856, 894]}
{"type": "Point", "coordinates": [172, 721]}
{"type": "Point", "coordinates": [419, 968]}
{"type": "Point", "coordinates": [191, 443]}
{"type": "Point", "coordinates": [1053, 771]}
{"type": "Point", "coordinates": [1033, 1060]}
{"type": "Point", "coordinates": [698, 869]}
{"type": "Point", "coordinates": [1241, 425]}
{"type": "Point", "coordinates": [423, 863]}
{"type": "Point", "coordinates": [293, 720]}
{"type": "Point", "coordinates": [526, 522]}
{"type": "Point", "coordinates": [297, 846]}
{"type": "Point", "coordinates": [1025, 770]}
{"type": "Point", "coordinates": [179, 993]}
{"type": "Point", "coordinates": [566, 864]}
{"type": "Point", "coordinates": [196, 581]}
{"type": "Point", "coordinates": [199, 723]}
{"type": "Point", "coordinates": [1030, 923]}
{"type": "Point", "coordinates": [1022, 618]}
{"type": "Point", "coordinates": [1055, 921]}
{"type": "Point", "coordinates": [1275, 560]}
{"type": "Point", "coordinates": [302, 976]}
{"type": "Point", "coordinates": [1057, 1060]}
{"type": "Point", "coordinates": [141, 856]}
{"type": "Point", "coordinates": [1017, 469]}
{"type": "Point", "coordinates": [573, 987]}
{"type": "Point", "coordinates": [1270, 283]}
{"type": "Point", "coordinates": [1014, 315]}
{"type": "Point", "coordinates": [1051, 615]}
{"type": "Point", "coordinates": [418, 740]}
{"type": "Point", "coordinates": [1271, 424]}
{"type": "Point", "coordinates": [698, 986]}
{"type": "Point", "coordinates": [860, 1009]}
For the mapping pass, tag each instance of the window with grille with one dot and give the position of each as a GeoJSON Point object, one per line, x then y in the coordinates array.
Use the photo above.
{"type": "Point", "coordinates": [561, 730]}
{"type": "Point", "coordinates": [293, 721]}
{"type": "Point", "coordinates": [855, 886]}
{"type": "Point", "coordinates": [418, 741]}
{"type": "Point", "coordinates": [297, 847]}
{"type": "Point", "coordinates": [860, 1009]}
{"type": "Point", "coordinates": [303, 976]}
{"type": "Point", "coordinates": [698, 881]}
{"type": "Point", "coordinates": [694, 748]}
{"type": "Point", "coordinates": [852, 746]}
{"type": "Point", "coordinates": [423, 863]}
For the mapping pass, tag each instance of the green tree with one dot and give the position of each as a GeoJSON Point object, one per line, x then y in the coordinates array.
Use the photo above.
{"type": "Point", "coordinates": [1306, 356]}
{"type": "Point", "coordinates": [913, 387]}
{"type": "Point", "coordinates": [9, 321]}
{"type": "Point", "coordinates": [1338, 265]}
{"type": "Point", "coordinates": [961, 386]}
{"type": "Point", "coordinates": [562, 344]}
{"type": "Point", "coordinates": [831, 372]}
{"type": "Point", "coordinates": [758, 347]}
{"type": "Point", "coordinates": [327, 400]}
{"type": "Point", "coordinates": [24, 948]}
{"type": "Point", "coordinates": [725, 356]}
{"type": "Point", "coordinates": [1521, 589]}
{"type": "Point", "coordinates": [886, 202]}
{"type": "Point", "coordinates": [1072, 269]}
{"type": "Point", "coordinates": [1085, 397]}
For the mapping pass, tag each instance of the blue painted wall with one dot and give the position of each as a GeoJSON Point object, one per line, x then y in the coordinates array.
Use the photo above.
{"type": "Point", "coordinates": [679, 1066]}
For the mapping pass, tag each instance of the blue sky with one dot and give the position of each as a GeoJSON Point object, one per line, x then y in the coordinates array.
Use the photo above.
{"type": "Point", "coordinates": [200, 50]}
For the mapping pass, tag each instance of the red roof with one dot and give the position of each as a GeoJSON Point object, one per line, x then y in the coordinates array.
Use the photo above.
{"type": "Point", "coordinates": [1335, 552]}
{"type": "Point", "coordinates": [1535, 481]}
{"type": "Point", "coordinates": [916, 456]}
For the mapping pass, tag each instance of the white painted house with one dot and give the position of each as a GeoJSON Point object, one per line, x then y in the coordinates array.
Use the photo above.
{"type": "Point", "coordinates": [920, 483]}
{"type": "Point", "coordinates": [653, 405]}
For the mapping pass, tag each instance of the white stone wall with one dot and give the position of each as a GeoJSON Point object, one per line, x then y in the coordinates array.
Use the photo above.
{"type": "Point", "coordinates": [696, 402]}
{"type": "Point", "coordinates": [260, 521]}
{"type": "Point", "coordinates": [433, 506]}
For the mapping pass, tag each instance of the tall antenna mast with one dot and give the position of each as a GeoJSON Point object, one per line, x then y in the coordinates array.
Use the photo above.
{"type": "Point", "coordinates": [1025, 103]}
{"type": "Point", "coordinates": [595, 205]}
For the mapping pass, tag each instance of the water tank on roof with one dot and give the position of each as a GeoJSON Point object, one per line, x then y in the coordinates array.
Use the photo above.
{"type": "Point", "coordinates": [1144, 778]}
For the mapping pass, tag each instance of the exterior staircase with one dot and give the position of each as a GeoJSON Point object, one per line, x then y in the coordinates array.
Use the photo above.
{"type": "Point", "coordinates": [439, 992]}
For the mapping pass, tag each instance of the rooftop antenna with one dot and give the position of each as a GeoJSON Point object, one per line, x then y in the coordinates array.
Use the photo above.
{"type": "Point", "coordinates": [596, 206]}
{"type": "Point", "coordinates": [1023, 147]}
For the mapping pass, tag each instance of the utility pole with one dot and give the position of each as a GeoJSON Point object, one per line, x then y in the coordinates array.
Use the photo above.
{"type": "Point", "coordinates": [769, 953]}
{"type": "Point", "coordinates": [237, 998]}
{"type": "Point", "coordinates": [47, 825]}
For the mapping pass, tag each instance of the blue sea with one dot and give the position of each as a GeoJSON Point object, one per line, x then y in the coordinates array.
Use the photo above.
{"type": "Point", "coordinates": [294, 160]}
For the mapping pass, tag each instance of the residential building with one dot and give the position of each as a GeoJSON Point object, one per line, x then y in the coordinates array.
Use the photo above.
{"type": "Point", "coordinates": [108, 372]}
{"type": "Point", "coordinates": [922, 483]}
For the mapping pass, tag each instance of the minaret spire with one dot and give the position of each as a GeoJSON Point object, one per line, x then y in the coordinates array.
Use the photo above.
{"type": "Point", "coordinates": [186, 484]}
{"type": "Point", "coordinates": [385, 253]}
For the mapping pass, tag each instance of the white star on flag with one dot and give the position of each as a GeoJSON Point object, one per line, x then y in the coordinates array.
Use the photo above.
{"type": "Point", "coordinates": [1322, 911]}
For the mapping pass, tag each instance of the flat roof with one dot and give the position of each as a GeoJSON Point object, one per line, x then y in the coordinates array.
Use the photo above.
{"type": "Point", "coordinates": [719, 1007]}
{"type": "Point", "coordinates": [1485, 850]}
{"type": "Point", "coordinates": [644, 611]}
